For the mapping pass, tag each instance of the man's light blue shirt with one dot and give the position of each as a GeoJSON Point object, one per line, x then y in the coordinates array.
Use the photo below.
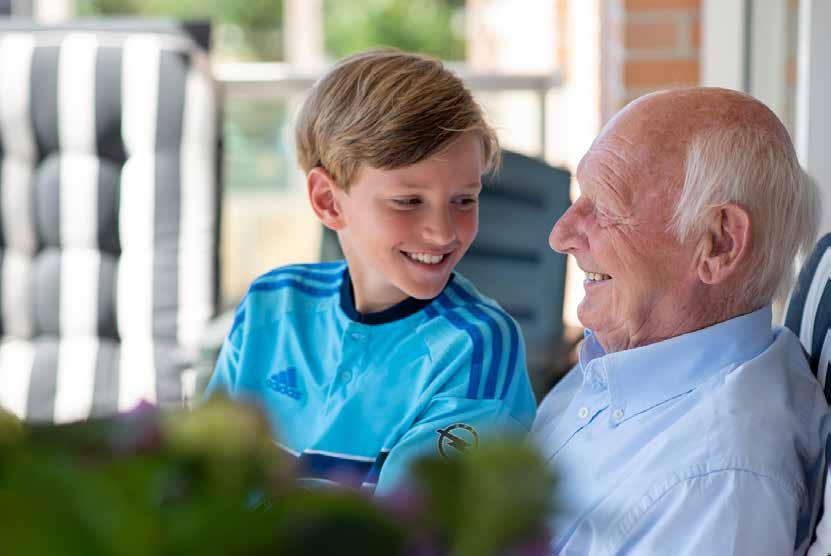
{"type": "Point", "coordinates": [706, 443]}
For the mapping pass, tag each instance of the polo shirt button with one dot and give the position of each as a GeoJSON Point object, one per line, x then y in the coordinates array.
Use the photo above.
{"type": "Point", "coordinates": [346, 376]}
{"type": "Point", "coordinates": [617, 414]}
{"type": "Point", "coordinates": [583, 412]}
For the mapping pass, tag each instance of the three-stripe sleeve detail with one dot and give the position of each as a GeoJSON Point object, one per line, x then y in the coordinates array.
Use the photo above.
{"type": "Point", "coordinates": [496, 339]}
{"type": "Point", "coordinates": [310, 280]}
{"type": "Point", "coordinates": [490, 329]}
{"type": "Point", "coordinates": [477, 356]}
{"type": "Point", "coordinates": [313, 281]}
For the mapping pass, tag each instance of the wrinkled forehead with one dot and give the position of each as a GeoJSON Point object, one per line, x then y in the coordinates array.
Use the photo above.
{"type": "Point", "coordinates": [624, 162]}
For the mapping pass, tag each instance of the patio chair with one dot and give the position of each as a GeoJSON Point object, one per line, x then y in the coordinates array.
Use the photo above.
{"type": "Point", "coordinates": [108, 216]}
{"type": "Point", "coordinates": [809, 317]}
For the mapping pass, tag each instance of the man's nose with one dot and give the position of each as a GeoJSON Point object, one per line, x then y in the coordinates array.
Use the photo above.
{"type": "Point", "coordinates": [440, 227]}
{"type": "Point", "coordinates": [567, 235]}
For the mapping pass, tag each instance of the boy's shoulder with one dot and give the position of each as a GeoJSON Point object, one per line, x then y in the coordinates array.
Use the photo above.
{"type": "Point", "coordinates": [463, 315]}
{"type": "Point", "coordinates": [461, 296]}
{"type": "Point", "coordinates": [291, 288]}
{"type": "Point", "coordinates": [473, 337]}
{"type": "Point", "coordinates": [312, 279]}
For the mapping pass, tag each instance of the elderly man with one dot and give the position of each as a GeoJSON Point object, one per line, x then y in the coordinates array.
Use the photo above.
{"type": "Point", "coordinates": [690, 425]}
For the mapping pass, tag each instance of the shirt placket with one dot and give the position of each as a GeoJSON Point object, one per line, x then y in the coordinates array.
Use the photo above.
{"type": "Point", "coordinates": [590, 399]}
{"type": "Point", "coordinates": [355, 342]}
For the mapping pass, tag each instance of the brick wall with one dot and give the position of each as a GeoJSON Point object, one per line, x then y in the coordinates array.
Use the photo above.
{"type": "Point", "coordinates": [648, 45]}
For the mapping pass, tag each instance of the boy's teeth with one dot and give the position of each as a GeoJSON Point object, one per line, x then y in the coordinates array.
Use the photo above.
{"type": "Point", "coordinates": [425, 258]}
{"type": "Point", "coordinates": [597, 276]}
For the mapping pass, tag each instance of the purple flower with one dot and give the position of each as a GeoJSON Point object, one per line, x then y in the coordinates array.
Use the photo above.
{"type": "Point", "coordinates": [137, 431]}
{"type": "Point", "coordinates": [405, 503]}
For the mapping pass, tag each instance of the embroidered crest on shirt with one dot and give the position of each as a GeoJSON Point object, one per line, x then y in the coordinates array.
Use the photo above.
{"type": "Point", "coordinates": [458, 437]}
{"type": "Point", "coordinates": [285, 382]}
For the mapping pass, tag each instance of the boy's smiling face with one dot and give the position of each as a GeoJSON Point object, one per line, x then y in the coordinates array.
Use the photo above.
{"type": "Point", "coordinates": [403, 230]}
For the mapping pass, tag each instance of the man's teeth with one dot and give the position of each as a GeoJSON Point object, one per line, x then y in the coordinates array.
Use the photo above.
{"type": "Point", "coordinates": [597, 276]}
{"type": "Point", "coordinates": [425, 258]}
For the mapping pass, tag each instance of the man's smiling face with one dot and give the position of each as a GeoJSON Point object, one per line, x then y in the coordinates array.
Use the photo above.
{"type": "Point", "coordinates": [640, 280]}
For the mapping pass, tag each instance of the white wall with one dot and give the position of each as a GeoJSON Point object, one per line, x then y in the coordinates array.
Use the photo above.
{"type": "Point", "coordinates": [723, 43]}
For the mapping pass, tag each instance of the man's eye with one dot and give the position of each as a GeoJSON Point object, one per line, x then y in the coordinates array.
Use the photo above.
{"type": "Point", "coordinates": [602, 217]}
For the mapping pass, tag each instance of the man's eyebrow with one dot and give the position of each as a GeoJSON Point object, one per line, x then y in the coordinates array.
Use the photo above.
{"type": "Point", "coordinates": [581, 189]}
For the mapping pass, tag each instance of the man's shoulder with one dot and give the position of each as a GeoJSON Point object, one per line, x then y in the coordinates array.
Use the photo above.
{"type": "Point", "coordinates": [762, 416]}
{"type": "Point", "coordinates": [775, 389]}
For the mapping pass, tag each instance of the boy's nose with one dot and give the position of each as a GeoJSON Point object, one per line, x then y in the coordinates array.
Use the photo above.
{"type": "Point", "coordinates": [567, 236]}
{"type": "Point", "coordinates": [440, 229]}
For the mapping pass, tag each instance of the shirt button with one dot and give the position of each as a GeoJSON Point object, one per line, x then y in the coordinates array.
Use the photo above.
{"type": "Point", "coordinates": [617, 414]}
{"type": "Point", "coordinates": [583, 412]}
{"type": "Point", "coordinates": [357, 336]}
{"type": "Point", "coordinates": [346, 376]}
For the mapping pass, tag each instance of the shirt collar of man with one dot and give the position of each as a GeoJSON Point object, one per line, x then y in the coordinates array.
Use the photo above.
{"type": "Point", "coordinates": [641, 378]}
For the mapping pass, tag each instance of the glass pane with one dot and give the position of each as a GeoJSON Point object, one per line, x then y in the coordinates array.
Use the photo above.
{"type": "Point", "coordinates": [434, 27]}
{"type": "Point", "coordinates": [249, 30]}
{"type": "Point", "coordinates": [257, 137]}
{"type": "Point", "coordinates": [266, 220]}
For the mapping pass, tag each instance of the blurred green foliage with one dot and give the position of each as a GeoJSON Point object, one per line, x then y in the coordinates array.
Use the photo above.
{"type": "Point", "coordinates": [251, 29]}
{"type": "Point", "coordinates": [169, 484]}
{"type": "Point", "coordinates": [250, 14]}
{"type": "Point", "coordinates": [247, 30]}
{"type": "Point", "coordinates": [431, 26]}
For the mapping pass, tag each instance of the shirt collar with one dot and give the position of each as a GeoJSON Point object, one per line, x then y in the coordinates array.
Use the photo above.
{"type": "Point", "coordinates": [644, 377]}
{"type": "Point", "coordinates": [399, 311]}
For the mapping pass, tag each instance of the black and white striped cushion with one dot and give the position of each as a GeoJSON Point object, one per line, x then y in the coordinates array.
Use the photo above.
{"type": "Point", "coordinates": [809, 311]}
{"type": "Point", "coordinates": [809, 317]}
{"type": "Point", "coordinates": [108, 219]}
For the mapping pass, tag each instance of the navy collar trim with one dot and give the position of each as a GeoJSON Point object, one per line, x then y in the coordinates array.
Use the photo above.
{"type": "Point", "coordinates": [399, 311]}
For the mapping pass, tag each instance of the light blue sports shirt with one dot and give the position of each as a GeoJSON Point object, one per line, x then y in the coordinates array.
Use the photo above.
{"type": "Point", "coordinates": [355, 397]}
{"type": "Point", "coordinates": [706, 443]}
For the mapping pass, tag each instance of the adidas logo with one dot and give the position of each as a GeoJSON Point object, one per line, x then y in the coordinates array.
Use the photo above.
{"type": "Point", "coordinates": [285, 382]}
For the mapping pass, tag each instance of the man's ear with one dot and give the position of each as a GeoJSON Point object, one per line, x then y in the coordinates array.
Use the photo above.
{"type": "Point", "coordinates": [323, 191]}
{"type": "Point", "coordinates": [725, 246]}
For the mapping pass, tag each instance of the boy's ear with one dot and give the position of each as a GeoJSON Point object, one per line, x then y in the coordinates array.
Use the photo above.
{"type": "Point", "coordinates": [322, 191]}
{"type": "Point", "coordinates": [725, 246]}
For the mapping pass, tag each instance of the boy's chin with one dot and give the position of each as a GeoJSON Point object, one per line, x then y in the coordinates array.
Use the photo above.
{"type": "Point", "coordinates": [425, 291]}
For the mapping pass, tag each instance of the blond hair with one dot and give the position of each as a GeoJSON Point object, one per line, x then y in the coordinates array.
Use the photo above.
{"type": "Point", "coordinates": [386, 109]}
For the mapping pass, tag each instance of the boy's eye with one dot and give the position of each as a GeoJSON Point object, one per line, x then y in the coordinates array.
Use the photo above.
{"type": "Point", "coordinates": [467, 201]}
{"type": "Point", "coordinates": [407, 202]}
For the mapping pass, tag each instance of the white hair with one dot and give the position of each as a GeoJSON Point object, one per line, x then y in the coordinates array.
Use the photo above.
{"type": "Point", "coordinates": [758, 171]}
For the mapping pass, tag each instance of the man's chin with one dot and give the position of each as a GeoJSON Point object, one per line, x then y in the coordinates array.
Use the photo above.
{"type": "Point", "coordinates": [591, 319]}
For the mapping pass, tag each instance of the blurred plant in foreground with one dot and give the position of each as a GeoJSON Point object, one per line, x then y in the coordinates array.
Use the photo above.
{"type": "Point", "coordinates": [181, 483]}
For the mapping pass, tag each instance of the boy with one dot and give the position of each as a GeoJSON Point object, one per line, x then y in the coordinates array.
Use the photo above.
{"type": "Point", "coordinates": [362, 365]}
